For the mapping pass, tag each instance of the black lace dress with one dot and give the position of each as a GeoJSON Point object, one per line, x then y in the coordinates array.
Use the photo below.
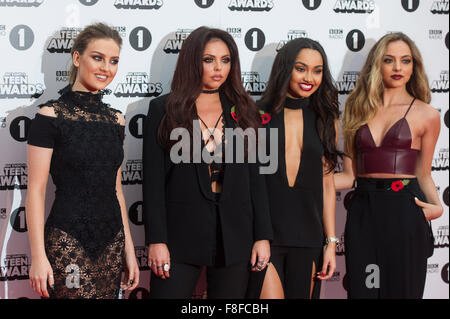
{"type": "Point", "coordinates": [84, 237]}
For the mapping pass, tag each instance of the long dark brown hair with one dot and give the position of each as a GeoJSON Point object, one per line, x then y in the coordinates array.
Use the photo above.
{"type": "Point", "coordinates": [187, 85]}
{"type": "Point", "coordinates": [324, 101]}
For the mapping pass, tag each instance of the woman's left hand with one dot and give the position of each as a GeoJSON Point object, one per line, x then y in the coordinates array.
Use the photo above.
{"type": "Point", "coordinates": [131, 278]}
{"type": "Point", "coordinates": [329, 262]}
{"type": "Point", "coordinates": [430, 211]}
{"type": "Point", "coordinates": [260, 255]}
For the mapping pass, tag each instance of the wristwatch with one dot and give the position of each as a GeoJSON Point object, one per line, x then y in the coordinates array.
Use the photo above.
{"type": "Point", "coordinates": [332, 240]}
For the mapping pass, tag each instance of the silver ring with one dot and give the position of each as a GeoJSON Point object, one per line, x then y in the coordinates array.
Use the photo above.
{"type": "Point", "coordinates": [166, 267]}
{"type": "Point", "coordinates": [150, 264]}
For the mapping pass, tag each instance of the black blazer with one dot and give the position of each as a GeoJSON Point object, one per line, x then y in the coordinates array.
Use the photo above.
{"type": "Point", "coordinates": [179, 204]}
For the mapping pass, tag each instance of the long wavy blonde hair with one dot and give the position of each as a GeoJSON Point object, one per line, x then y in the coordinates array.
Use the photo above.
{"type": "Point", "coordinates": [363, 103]}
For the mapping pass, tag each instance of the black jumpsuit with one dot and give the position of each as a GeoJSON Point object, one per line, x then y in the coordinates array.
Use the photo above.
{"type": "Point", "coordinates": [296, 212]}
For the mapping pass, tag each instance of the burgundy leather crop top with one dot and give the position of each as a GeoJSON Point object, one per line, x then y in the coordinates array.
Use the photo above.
{"type": "Point", "coordinates": [393, 156]}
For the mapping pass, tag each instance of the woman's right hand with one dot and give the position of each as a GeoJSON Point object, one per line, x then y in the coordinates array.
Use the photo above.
{"type": "Point", "coordinates": [41, 272]}
{"type": "Point", "coordinates": [159, 258]}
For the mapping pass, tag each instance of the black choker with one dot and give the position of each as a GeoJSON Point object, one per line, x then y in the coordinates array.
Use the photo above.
{"type": "Point", "coordinates": [295, 104]}
{"type": "Point", "coordinates": [210, 91]}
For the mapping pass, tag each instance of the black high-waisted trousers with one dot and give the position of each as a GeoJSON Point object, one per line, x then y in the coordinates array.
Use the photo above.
{"type": "Point", "coordinates": [387, 240]}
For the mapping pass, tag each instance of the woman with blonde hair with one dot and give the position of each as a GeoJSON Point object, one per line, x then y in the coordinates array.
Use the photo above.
{"type": "Point", "coordinates": [390, 132]}
{"type": "Point", "coordinates": [78, 139]}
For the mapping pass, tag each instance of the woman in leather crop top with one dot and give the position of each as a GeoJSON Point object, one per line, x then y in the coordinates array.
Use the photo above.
{"type": "Point", "coordinates": [211, 214]}
{"type": "Point", "coordinates": [390, 133]}
{"type": "Point", "coordinates": [303, 104]}
{"type": "Point", "coordinates": [78, 139]}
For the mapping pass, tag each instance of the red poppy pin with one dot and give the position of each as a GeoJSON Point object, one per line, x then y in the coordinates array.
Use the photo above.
{"type": "Point", "coordinates": [398, 185]}
{"type": "Point", "coordinates": [265, 117]}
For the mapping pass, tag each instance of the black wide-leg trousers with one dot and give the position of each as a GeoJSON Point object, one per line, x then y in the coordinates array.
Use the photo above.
{"type": "Point", "coordinates": [387, 240]}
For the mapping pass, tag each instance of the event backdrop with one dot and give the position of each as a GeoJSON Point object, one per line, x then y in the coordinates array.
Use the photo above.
{"type": "Point", "coordinates": [35, 41]}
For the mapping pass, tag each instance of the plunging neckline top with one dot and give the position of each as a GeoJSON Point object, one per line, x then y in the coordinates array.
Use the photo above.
{"type": "Point", "coordinates": [297, 210]}
{"type": "Point", "coordinates": [394, 155]}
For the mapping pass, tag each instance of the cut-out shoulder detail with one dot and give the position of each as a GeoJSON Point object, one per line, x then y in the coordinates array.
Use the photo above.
{"type": "Point", "coordinates": [120, 118]}
{"type": "Point", "coordinates": [47, 111]}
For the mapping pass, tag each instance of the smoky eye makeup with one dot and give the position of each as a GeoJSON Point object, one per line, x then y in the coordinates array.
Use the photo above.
{"type": "Point", "coordinates": [208, 59]}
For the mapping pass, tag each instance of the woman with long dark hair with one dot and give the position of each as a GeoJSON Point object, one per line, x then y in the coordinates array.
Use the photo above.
{"type": "Point", "coordinates": [78, 139]}
{"type": "Point", "coordinates": [200, 213]}
{"type": "Point", "coordinates": [390, 133]}
{"type": "Point", "coordinates": [303, 103]}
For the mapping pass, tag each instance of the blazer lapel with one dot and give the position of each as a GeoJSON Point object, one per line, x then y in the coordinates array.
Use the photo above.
{"type": "Point", "coordinates": [229, 168]}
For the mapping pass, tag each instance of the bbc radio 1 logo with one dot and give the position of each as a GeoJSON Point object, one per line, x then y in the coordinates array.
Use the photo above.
{"type": "Point", "coordinates": [140, 38]}
{"type": "Point", "coordinates": [355, 40]}
{"type": "Point", "coordinates": [441, 85]}
{"type": "Point", "coordinates": [253, 84]}
{"type": "Point", "coordinates": [255, 39]}
{"type": "Point", "coordinates": [410, 5]}
{"type": "Point", "coordinates": [135, 213]}
{"type": "Point", "coordinates": [21, 37]}
{"type": "Point", "coordinates": [204, 4]}
{"type": "Point", "coordinates": [14, 176]}
{"type": "Point", "coordinates": [15, 267]}
{"type": "Point", "coordinates": [62, 76]}
{"type": "Point", "coordinates": [63, 41]}
{"type": "Point", "coordinates": [348, 82]}
{"type": "Point", "coordinates": [138, 4]}
{"type": "Point", "coordinates": [354, 6]}
{"type": "Point", "coordinates": [88, 3]}
{"type": "Point", "coordinates": [435, 34]}
{"type": "Point", "coordinates": [235, 32]}
{"type": "Point", "coordinates": [291, 35]}
{"type": "Point", "coordinates": [445, 196]}
{"type": "Point", "coordinates": [432, 268]}
{"type": "Point", "coordinates": [336, 34]}
{"type": "Point", "coordinates": [17, 85]}
{"type": "Point", "coordinates": [251, 5]}
{"type": "Point", "coordinates": [439, 7]}
{"type": "Point", "coordinates": [137, 84]}
{"type": "Point", "coordinates": [18, 220]}
{"type": "Point", "coordinates": [440, 163]}
{"type": "Point", "coordinates": [21, 3]}
{"type": "Point", "coordinates": [132, 172]}
{"type": "Point", "coordinates": [173, 46]}
{"type": "Point", "coordinates": [136, 126]}
{"type": "Point", "coordinates": [311, 4]}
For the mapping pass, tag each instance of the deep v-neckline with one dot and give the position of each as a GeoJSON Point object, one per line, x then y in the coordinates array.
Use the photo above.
{"type": "Point", "coordinates": [284, 151]}
{"type": "Point", "coordinates": [392, 127]}
{"type": "Point", "coordinates": [387, 132]}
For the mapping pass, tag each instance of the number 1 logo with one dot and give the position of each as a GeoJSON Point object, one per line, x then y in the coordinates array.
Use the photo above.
{"type": "Point", "coordinates": [255, 39]}
{"type": "Point", "coordinates": [21, 37]}
{"type": "Point", "coordinates": [355, 40]}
